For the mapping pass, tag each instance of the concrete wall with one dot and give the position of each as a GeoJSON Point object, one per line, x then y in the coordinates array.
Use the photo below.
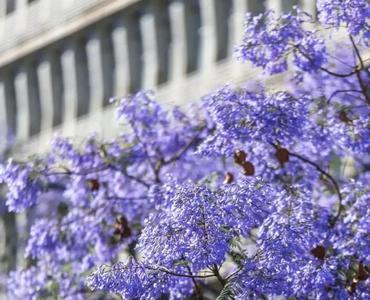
{"type": "Point", "coordinates": [61, 61]}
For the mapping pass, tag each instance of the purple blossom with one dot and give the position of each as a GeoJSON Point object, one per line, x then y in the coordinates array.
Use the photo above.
{"type": "Point", "coordinates": [354, 14]}
{"type": "Point", "coordinates": [44, 238]}
{"type": "Point", "coordinates": [23, 185]}
{"type": "Point", "coordinates": [133, 280]}
{"type": "Point", "coordinates": [246, 196]}
{"type": "Point", "coordinates": [269, 39]}
{"type": "Point", "coordinates": [243, 117]}
{"type": "Point", "coordinates": [166, 235]}
{"type": "Point", "coordinates": [26, 284]}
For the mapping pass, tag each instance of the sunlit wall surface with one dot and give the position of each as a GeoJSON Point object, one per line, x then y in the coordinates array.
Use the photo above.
{"type": "Point", "coordinates": [61, 61]}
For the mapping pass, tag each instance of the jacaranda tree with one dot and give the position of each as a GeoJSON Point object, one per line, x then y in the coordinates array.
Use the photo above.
{"type": "Point", "coordinates": [253, 194]}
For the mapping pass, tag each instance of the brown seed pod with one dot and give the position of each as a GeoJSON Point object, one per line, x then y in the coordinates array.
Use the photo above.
{"type": "Point", "coordinates": [121, 227]}
{"type": "Point", "coordinates": [239, 157]}
{"type": "Point", "coordinates": [282, 155]}
{"type": "Point", "coordinates": [93, 184]}
{"type": "Point", "coordinates": [319, 252]}
{"type": "Point", "coordinates": [122, 233]}
{"type": "Point", "coordinates": [362, 273]}
{"type": "Point", "coordinates": [344, 117]}
{"type": "Point", "coordinates": [351, 288]}
{"type": "Point", "coordinates": [121, 220]}
{"type": "Point", "coordinates": [229, 178]}
{"type": "Point", "coordinates": [248, 168]}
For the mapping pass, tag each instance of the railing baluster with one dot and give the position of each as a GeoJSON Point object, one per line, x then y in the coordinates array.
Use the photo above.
{"type": "Point", "coordinates": [239, 10]}
{"type": "Point", "coordinates": [178, 57]}
{"type": "Point", "coordinates": [95, 70]}
{"type": "Point", "coordinates": [34, 99]}
{"type": "Point", "coordinates": [22, 100]}
{"type": "Point", "coordinates": [44, 74]}
{"type": "Point", "coordinates": [69, 76]}
{"type": "Point", "coordinates": [150, 55]}
{"type": "Point", "coordinates": [3, 116]}
{"type": "Point", "coordinates": [208, 41]}
{"type": "Point", "coordinates": [121, 57]}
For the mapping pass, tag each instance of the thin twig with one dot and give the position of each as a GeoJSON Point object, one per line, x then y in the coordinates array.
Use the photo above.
{"type": "Point", "coordinates": [327, 175]}
{"type": "Point", "coordinates": [338, 74]}
{"type": "Point", "coordinates": [341, 91]}
{"type": "Point", "coordinates": [234, 273]}
{"type": "Point", "coordinates": [97, 170]}
{"type": "Point", "coordinates": [196, 285]}
{"type": "Point", "coordinates": [341, 75]}
{"type": "Point", "coordinates": [185, 148]}
{"type": "Point", "coordinates": [216, 271]}
{"type": "Point", "coordinates": [358, 74]}
{"type": "Point", "coordinates": [165, 270]}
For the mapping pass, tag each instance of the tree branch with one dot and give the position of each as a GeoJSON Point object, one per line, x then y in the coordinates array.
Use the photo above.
{"type": "Point", "coordinates": [327, 175]}
{"type": "Point", "coordinates": [331, 179]}
{"type": "Point", "coordinates": [342, 91]}
{"type": "Point", "coordinates": [216, 271]}
{"type": "Point", "coordinates": [196, 285]}
{"type": "Point", "coordinates": [358, 74]}
{"type": "Point", "coordinates": [165, 270]}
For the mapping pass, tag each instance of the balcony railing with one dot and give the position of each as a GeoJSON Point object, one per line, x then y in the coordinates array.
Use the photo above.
{"type": "Point", "coordinates": [61, 61]}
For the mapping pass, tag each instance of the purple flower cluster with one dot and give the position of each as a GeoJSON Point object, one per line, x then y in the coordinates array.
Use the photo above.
{"type": "Point", "coordinates": [23, 185]}
{"type": "Point", "coordinates": [133, 280]}
{"type": "Point", "coordinates": [208, 218]}
{"type": "Point", "coordinates": [242, 117]}
{"type": "Point", "coordinates": [98, 194]}
{"type": "Point", "coordinates": [27, 284]}
{"type": "Point", "coordinates": [269, 40]}
{"type": "Point", "coordinates": [254, 194]}
{"type": "Point", "coordinates": [354, 14]}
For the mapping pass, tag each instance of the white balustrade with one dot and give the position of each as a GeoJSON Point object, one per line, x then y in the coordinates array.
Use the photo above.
{"type": "Point", "coordinates": [120, 42]}
{"type": "Point", "coordinates": [3, 117]}
{"type": "Point", "coordinates": [95, 69]}
{"type": "Point", "coordinates": [22, 101]}
{"type": "Point", "coordinates": [177, 43]}
{"type": "Point", "coordinates": [239, 10]}
{"type": "Point", "coordinates": [45, 86]}
{"type": "Point", "coordinates": [178, 55]}
{"type": "Point", "coordinates": [208, 34]}
{"type": "Point", "coordinates": [69, 77]}
{"type": "Point", "coordinates": [150, 55]}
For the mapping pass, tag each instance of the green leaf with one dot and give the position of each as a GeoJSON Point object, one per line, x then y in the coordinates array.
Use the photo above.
{"type": "Point", "coordinates": [62, 209]}
{"type": "Point", "coordinates": [182, 262]}
{"type": "Point", "coordinates": [226, 293]}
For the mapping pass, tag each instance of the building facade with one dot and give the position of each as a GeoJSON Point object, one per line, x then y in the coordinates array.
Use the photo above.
{"type": "Point", "coordinates": [61, 61]}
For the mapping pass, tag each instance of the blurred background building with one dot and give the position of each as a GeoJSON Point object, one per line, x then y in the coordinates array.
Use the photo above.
{"type": "Point", "coordinates": [62, 60]}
